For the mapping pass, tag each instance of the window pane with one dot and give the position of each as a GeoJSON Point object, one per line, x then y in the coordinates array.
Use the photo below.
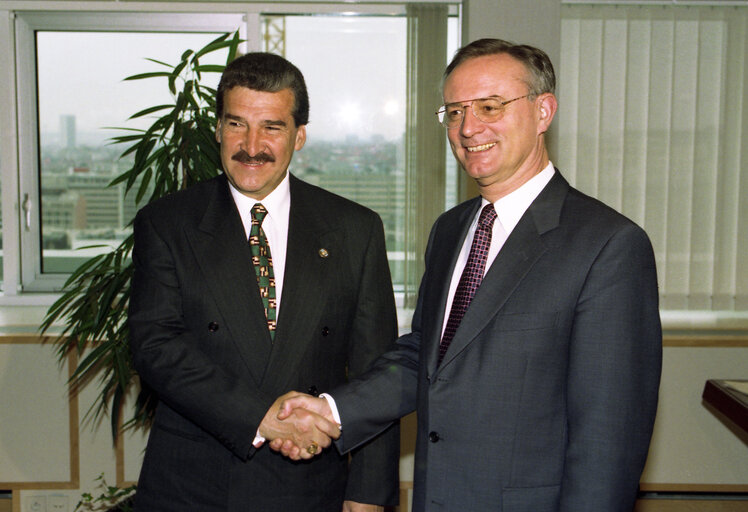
{"type": "Point", "coordinates": [355, 137]}
{"type": "Point", "coordinates": [80, 99]}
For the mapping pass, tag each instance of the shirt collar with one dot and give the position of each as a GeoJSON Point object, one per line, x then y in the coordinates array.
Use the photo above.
{"type": "Point", "coordinates": [277, 203]}
{"type": "Point", "coordinates": [511, 207]}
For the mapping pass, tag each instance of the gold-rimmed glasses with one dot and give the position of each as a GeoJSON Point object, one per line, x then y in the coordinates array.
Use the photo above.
{"type": "Point", "coordinates": [486, 110]}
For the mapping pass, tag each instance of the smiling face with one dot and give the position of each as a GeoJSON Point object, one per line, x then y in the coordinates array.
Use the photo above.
{"type": "Point", "coordinates": [258, 136]}
{"type": "Point", "coordinates": [504, 154]}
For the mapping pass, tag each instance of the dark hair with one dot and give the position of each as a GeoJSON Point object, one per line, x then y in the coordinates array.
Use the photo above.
{"type": "Point", "coordinates": [265, 72]}
{"type": "Point", "coordinates": [541, 78]}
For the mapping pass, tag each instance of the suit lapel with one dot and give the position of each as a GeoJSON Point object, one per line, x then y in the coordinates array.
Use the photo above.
{"type": "Point", "coordinates": [225, 261]}
{"type": "Point", "coordinates": [522, 249]}
{"type": "Point", "coordinates": [305, 282]}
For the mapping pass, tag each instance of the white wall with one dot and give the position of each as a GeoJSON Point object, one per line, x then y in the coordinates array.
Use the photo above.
{"type": "Point", "coordinates": [690, 445]}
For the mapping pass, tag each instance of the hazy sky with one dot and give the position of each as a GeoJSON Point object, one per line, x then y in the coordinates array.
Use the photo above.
{"type": "Point", "coordinates": [354, 68]}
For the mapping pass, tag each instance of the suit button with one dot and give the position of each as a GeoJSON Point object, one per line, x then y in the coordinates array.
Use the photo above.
{"type": "Point", "coordinates": [312, 390]}
{"type": "Point", "coordinates": [325, 331]}
{"type": "Point", "coordinates": [433, 436]}
{"type": "Point", "coordinates": [213, 327]}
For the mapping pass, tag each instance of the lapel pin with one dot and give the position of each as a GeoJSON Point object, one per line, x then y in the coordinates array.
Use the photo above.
{"type": "Point", "coordinates": [323, 253]}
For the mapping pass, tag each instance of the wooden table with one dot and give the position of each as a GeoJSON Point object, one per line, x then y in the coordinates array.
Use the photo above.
{"type": "Point", "coordinates": [727, 398]}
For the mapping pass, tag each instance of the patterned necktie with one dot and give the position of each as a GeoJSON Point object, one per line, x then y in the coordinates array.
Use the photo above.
{"type": "Point", "coordinates": [471, 276]}
{"type": "Point", "coordinates": [263, 263]}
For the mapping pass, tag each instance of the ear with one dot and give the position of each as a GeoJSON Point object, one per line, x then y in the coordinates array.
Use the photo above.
{"type": "Point", "coordinates": [218, 131]}
{"type": "Point", "coordinates": [300, 137]}
{"type": "Point", "coordinates": [547, 105]}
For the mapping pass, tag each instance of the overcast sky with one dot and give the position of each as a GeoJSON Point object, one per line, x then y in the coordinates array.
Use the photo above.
{"type": "Point", "coordinates": [354, 68]}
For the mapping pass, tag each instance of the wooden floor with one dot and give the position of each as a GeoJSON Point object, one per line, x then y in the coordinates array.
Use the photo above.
{"type": "Point", "coordinates": [642, 505]}
{"type": "Point", "coordinates": [656, 505]}
{"type": "Point", "coordinates": [646, 505]}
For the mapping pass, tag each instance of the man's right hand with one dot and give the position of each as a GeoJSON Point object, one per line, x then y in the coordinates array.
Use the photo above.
{"type": "Point", "coordinates": [302, 433]}
{"type": "Point", "coordinates": [292, 404]}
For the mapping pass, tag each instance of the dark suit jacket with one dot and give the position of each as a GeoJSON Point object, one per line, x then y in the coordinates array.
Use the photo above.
{"type": "Point", "coordinates": [546, 398]}
{"type": "Point", "coordinates": [200, 340]}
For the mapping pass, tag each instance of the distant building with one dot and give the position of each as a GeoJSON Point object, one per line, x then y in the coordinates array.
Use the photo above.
{"type": "Point", "coordinates": [63, 211]}
{"type": "Point", "coordinates": [67, 132]}
{"type": "Point", "coordinates": [96, 205]}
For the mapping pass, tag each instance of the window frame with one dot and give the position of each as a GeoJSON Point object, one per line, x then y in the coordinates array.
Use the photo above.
{"type": "Point", "coordinates": [23, 281]}
{"type": "Point", "coordinates": [28, 267]}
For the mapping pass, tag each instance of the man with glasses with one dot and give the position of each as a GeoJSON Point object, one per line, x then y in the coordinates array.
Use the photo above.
{"type": "Point", "coordinates": [535, 355]}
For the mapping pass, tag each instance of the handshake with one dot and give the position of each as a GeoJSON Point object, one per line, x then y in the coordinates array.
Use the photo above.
{"type": "Point", "coordinates": [299, 426]}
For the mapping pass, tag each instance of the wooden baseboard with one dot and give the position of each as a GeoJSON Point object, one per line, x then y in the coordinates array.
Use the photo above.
{"type": "Point", "coordinates": [658, 505]}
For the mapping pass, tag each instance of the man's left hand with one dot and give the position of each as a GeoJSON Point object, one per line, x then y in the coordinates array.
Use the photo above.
{"type": "Point", "coordinates": [352, 506]}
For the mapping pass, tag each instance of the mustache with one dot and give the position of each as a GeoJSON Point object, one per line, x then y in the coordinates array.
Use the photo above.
{"type": "Point", "coordinates": [245, 158]}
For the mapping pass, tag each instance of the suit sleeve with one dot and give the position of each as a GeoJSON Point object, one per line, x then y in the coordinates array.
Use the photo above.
{"type": "Point", "coordinates": [615, 358]}
{"type": "Point", "coordinates": [369, 404]}
{"type": "Point", "coordinates": [170, 357]}
{"type": "Point", "coordinates": [373, 477]}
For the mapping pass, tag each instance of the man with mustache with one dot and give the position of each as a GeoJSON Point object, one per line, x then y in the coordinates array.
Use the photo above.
{"type": "Point", "coordinates": [243, 157]}
{"type": "Point", "coordinates": [246, 286]}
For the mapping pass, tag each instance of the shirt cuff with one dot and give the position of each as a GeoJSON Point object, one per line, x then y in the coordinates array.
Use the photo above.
{"type": "Point", "coordinates": [333, 408]}
{"type": "Point", "coordinates": [259, 440]}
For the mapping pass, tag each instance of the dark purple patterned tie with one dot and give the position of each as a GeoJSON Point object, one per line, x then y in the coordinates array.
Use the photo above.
{"type": "Point", "coordinates": [471, 276]}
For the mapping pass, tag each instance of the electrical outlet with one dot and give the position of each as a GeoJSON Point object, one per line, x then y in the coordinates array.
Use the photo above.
{"type": "Point", "coordinates": [57, 504]}
{"type": "Point", "coordinates": [36, 504]}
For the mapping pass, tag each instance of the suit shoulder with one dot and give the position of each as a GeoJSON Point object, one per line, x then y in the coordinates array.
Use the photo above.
{"type": "Point", "coordinates": [591, 219]}
{"type": "Point", "coordinates": [589, 210]}
{"type": "Point", "coordinates": [330, 204]}
{"type": "Point", "coordinates": [183, 203]}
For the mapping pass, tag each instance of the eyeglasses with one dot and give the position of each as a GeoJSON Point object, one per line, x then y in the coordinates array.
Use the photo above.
{"type": "Point", "coordinates": [486, 110]}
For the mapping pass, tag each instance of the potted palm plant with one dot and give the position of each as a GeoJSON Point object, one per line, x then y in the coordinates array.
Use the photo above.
{"type": "Point", "coordinates": [177, 150]}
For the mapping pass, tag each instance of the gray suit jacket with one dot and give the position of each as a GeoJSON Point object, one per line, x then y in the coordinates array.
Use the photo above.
{"type": "Point", "coordinates": [200, 340]}
{"type": "Point", "coordinates": [546, 398]}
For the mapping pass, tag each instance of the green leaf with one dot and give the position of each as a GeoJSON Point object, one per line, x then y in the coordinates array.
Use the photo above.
{"type": "Point", "coordinates": [216, 44]}
{"type": "Point", "coordinates": [174, 75]}
{"type": "Point", "coordinates": [210, 68]}
{"type": "Point", "coordinates": [159, 62]}
{"type": "Point", "coordinates": [144, 184]}
{"type": "Point", "coordinates": [235, 40]}
{"type": "Point", "coordinates": [153, 74]}
{"type": "Point", "coordinates": [150, 110]}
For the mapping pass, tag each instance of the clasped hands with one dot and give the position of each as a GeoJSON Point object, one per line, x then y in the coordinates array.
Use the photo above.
{"type": "Point", "coordinates": [299, 426]}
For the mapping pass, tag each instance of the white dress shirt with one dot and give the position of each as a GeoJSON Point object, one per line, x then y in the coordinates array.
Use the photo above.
{"type": "Point", "coordinates": [275, 225]}
{"type": "Point", "coordinates": [509, 209]}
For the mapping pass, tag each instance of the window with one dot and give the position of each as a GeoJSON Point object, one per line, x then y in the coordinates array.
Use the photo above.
{"type": "Point", "coordinates": [76, 161]}
{"type": "Point", "coordinates": [652, 120]}
{"type": "Point", "coordinates": [67, 108]}
{"type": "Point", "coordinates": [362, 141]}
{"type": "Point", "coordinates": [356, 138]}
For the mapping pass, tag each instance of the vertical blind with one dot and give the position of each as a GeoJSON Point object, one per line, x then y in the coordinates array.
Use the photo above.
{"type": "Point", "coordinates": [653, 120]}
